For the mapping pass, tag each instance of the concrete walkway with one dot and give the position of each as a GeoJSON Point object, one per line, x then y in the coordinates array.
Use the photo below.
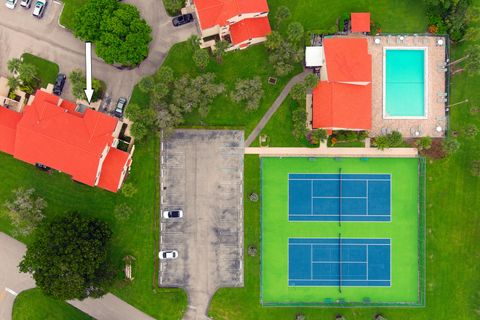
{"type": "Point", "coordinates": [12, 282]}
{"type": "Point", "coordinates": [276, 104]}
{"type": "Point", "coordinates": [333, 152]}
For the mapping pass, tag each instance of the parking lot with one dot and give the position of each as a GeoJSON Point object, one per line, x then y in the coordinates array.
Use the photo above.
{"type": "Point", "coordinates": [202, 174]}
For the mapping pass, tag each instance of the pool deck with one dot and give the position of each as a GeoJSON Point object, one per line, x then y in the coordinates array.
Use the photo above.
{"type": "Point", "coordinates": [436, 84]}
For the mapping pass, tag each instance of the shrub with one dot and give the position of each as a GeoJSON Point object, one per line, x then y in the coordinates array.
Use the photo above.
{"type": "Point", "coordinates": [122, 211]}
{"type": "Point", "coordinates": [450, 145]}
{"type": "Point", "coordinates": [424, 143]}
{"type": "Point", "coordinates": [318, 135]}
{"type": "Point", "coordinates": [475, 168]}
{"type": "Point", "coordinates": [381, 142]}
{"type": "Point", "coordinates": [299, 118]}
{"type": "Point", "coordinates": [395, 139]}
{"type": "Point", "coordinates": [470, 130]}
{"type": "Point", "coordinates": [128, 190]}
{"type": "Point", "coordinates": [173, 7]}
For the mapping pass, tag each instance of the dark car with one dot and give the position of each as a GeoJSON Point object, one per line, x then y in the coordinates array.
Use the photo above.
{"type": "Point", "coordinates": [120, 108]}
{"type": "Point", "coordinates": [59, 84]}
{"type": "Point", "coordinates": [42, 167]}
{"type": "Point", "coordinates": [183, 19]}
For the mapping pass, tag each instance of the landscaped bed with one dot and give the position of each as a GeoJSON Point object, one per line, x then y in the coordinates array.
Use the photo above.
{"type": "Point", "coordinates": [47, 70]}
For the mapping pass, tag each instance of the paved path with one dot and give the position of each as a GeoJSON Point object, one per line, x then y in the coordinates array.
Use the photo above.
{"type": "Point", "coordinates": [20, 32]}
{"type": "Point", "coordinates": [333, 152]}
{"type": "Point", "coordinates": [12, 282]}
{"type": "Point", "coordinates": [276, 104]}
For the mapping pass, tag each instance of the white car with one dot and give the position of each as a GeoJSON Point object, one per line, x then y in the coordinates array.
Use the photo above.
{"type": "Point", "coordinates": [10, 4]}
{"type": "Point", "coordinates": [39, 9]}
{"type": "Point", "coordinates": [26, 3]}
{"type": "Point", "coordinates": [168, 254]}
{"type": "Point", "coordinates": [172, 214]}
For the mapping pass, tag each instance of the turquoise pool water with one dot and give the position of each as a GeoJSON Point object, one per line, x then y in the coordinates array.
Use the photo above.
{"type": "Point", "coordinates": [405, 83]}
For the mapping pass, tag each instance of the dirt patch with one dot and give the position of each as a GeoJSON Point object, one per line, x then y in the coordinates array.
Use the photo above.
{"type": "Point", "coordinates": [435, 152]}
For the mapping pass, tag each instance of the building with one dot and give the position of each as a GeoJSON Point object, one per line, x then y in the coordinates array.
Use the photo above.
{"type": "Point", "coordinates": [72, 139]}
{"type": "Point", "coordinates": [239, 22]}
{"type": "Point", "coordinates": [342, 99]}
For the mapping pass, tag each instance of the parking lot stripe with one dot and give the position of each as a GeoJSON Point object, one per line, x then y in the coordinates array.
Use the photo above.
{"type": "Point", "coordinates": [10, 291]}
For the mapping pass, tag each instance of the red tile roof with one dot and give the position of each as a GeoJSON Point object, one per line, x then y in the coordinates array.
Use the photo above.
{"type": "Point", "coordinates": [344, 101]}
{"type": "Point", "coordinates": [250, 29]}
{"type": "Point", "coordinates": [8, 129]}
{"type": "Point", "coordinates": [112, 169]}
{"type": "Point", "coordinates": [342, 106]}
{"type": "Point", "coordinates": [347, 59]}
{"type": "Point", "coordinates": [218, 12]}
{"type": "Point", "coordinates": [53, 136]}
{"type": "Point", "coordinates": [360, 21]}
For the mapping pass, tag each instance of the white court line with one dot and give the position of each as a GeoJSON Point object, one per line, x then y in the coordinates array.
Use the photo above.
{"type": "Point", "coordinates": [11, 291]}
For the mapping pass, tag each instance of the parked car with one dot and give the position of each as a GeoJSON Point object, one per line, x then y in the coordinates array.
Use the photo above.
{"type": "Point", "coordinates": [172, 214]}
{"type": "Point", "coordinates": [183, 19]}
{"type": "Point", "coordinates": [120, 108]}
{"type": "Point", "coordinates": [42, 167]}
{"type": "Point", "coordinates": [168, 254]}
{"type": "Point", "coordinates": [26, 3]}
{"type": "Point", "coordinates": [10, 4]}
{"type": "Point", "coordinates": [59, 84]}
{"type": "Point", "coordinates": [40, 7]}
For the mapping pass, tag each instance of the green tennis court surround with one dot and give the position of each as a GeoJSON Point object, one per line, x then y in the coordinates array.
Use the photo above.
{"type": "Point", "coordinates": [376, 261]}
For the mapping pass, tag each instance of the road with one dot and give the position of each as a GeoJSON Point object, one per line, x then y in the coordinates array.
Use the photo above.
{"type": "Point", "coordinates": [20, 32]}
{"type": "Point", "coordinates": [12, 282]}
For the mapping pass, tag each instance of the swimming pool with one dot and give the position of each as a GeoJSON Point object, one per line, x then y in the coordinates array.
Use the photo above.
{"type": "Point", "coordinates": [404, 79]}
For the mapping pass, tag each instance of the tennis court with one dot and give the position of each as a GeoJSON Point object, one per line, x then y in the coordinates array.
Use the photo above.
{"type": "Point", "coordinates": [339, 197]}
{"type": "Point", "coordinates": [338, 262]}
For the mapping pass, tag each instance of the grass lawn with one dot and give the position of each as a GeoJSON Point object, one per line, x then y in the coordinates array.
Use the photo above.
{"type": "Point", "coordinates": [278, 268]}
{"type": "Point", "coordinates": [392, 15]}
{"type": "Point", "coordinates": [47, 70]}
{"type": "Point", "coordinates": [279, 128]}
{"type": "Point", "coordinates": [137, 236]}
{"type": "Point", "coordinates": [70, 6]}
{"type": "Point", "coordinates": [236, 65]}
{"type": "Point", "coordinates": [33, 305]}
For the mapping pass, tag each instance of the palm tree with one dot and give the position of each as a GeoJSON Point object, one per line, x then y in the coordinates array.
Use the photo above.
{"type": "Point", "coordinates": [27, 73]}
{"type": "Point", "coordinates": [13, 65]}
{"type": "Point", "coordinates": [13, 83]}
{"type": "Point", "coordinates": [472, 60]}
{"type": "Point", "coordinates": [220, 48]}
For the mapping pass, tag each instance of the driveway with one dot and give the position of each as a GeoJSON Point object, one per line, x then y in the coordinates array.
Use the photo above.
{"type": "Point", "coordinates": [20, 32]}
{"type": "Point", "coordinates": [12, 282]}
{"type": "Point", "coordinates": [202, 173]}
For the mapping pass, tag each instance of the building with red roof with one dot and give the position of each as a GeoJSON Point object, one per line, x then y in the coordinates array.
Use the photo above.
{"type": "Point", "coordinates": [342, 99]}
{"type": "Point", "coordinates": [240, 22]}
{"type": "Point", "coordinates": [360, 21]}
{"type": "Point", "coordinates": [54, 133]}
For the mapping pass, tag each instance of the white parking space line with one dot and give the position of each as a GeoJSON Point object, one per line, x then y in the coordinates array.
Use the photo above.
{"type": "Point", "coordinates": [11, 291]}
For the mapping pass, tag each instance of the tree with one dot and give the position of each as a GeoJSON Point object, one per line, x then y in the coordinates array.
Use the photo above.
{"type": "Point", "coordinates": [450, 145]}
{"type": "Point", "coordinates": [124, 37]}
{"type": "Point", "coordinates": [249, 91]}
{"type": "Point", "coordinates": [13, 65]}
{"type": "Point", "coordinates": [173, 7]}
{"type": "Point", "coordinates": [424, 143]}
{"type": "Point", "coordinates": [194, 41]}
{"type": "Point", "coordinates": [283, 13]}
{"type": "Point", "coordinates": [298, 92]}
{"type": "Point", "coordinates": [274, 40]}
{"type": "Point", "coordinates": [379, 317]}
{"type": "Point", "coordinates": [77, 80]}
{"type": "Point", "coordinates": [220, 48]}
{"type": "Point", "coordinates": [144, 120]}
{"type": "Point", "coordinates": [13, 83]}
{"type": "Point", "coordinates": [311, 81]}
{"type": "Point", "coordinates": [472, 63]}
{"type": "Point", "coordinates": [164, 75]}
{"type": "Point", "coordinates": [470, 130]}
{"type": "Point", "coordinates": [68, 257]}
{"type": "Point", "coordinates": [283, 57]}
{"type": "Point", "coordinates": [475, 168]}
{"type": "Point", "coordinates": [299, 123]}
{"type": "Point", "coordinates": [25, 210]}
{"type": "Point", "coordinates": [295, 32]}
{"type": "Point", "coordinates": [201, 58]}
{"type": "Point", "coordinates": [88, 19]}
{"type": "Point", "coordinates": [147, 84]}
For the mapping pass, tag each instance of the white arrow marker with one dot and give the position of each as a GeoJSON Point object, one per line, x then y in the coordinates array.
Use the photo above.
{"type": "Point", "coordinates": [88, 71]}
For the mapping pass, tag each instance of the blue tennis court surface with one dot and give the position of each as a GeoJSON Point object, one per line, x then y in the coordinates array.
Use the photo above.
{"type": "Point", "coordinates": [334, 197]}
{"type": "Point", "coordinates": [339, 262]}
